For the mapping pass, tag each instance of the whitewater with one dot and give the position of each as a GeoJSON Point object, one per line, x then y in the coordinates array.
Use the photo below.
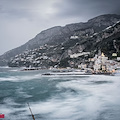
{"type": "Point", "coordinates": [58, 97]}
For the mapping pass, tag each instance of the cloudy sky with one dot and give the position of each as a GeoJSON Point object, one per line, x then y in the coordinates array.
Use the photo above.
{"type": "Point", "coordinates": [21, 20]}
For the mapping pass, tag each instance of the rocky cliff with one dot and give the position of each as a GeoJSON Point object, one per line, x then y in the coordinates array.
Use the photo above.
{"type": "Point", "coordinates": [60, 36]}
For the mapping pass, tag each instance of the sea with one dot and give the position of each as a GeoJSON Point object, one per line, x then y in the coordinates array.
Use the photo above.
{"type": "Point", "coordinates": [58, 97]}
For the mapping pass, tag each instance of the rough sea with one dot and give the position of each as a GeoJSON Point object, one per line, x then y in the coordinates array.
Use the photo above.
{"type": "Point", "coordinates": [58, 97]}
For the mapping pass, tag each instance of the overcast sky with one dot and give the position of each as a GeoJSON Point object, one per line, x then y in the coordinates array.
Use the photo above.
{"type": "Point", "coordinates": [21, 20]}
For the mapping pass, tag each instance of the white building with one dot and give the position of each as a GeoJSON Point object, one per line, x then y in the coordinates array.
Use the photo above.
{"type": "Point", "coordinates": [74, 37]}
{"type": "Point", "coordinates": [79, 54]}
{"type": "Point", "coordinates": [118, 58]}
{"type": "Point", "coordinates": [102, 63]}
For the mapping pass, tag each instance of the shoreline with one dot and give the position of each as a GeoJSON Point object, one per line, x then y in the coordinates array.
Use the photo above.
{"type": "Point", "coordinates": [64, 71]}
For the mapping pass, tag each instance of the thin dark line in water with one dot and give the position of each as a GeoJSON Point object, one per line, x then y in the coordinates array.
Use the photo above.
{"type": "Point", "coordinates": [31, 111]}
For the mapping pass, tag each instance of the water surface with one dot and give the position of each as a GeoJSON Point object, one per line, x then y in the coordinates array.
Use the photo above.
{"type": "Point", "coordinates": [57, 97]}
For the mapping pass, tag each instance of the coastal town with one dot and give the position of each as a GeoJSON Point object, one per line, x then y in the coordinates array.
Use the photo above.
{"type": "Point", "coordinates": [59, 59]}
{"type": "Point", "coordinates": [36, 59]}
{"type": "Point", "coordinates": [85, 50]}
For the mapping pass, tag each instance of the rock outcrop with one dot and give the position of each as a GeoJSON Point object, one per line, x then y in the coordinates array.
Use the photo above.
{"type": "Point", "coordinates": [87, 34]}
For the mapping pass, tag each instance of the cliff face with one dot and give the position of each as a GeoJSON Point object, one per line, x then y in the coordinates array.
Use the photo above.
{"type": "Point", "coordinates": [107, 40]}
{"type": "Point", "coordinates": [61, 35]}
{"type": "Point", "coordinates": [74, 51]}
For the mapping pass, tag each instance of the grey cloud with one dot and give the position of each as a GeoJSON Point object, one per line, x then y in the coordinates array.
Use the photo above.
{"type": "Point", "coordinates": [20, 20]}
{"type": "Point", "coordinates": [75, 8]}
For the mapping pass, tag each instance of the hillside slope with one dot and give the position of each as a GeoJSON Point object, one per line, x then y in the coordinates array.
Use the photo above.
{"type": "Point", "coordinates": [58, 34]}
{"type": "Point", "coordinates": [73, 52]}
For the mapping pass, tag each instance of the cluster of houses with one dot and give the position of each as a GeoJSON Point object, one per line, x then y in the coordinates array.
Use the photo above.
{"type": "Point", "coordinates": [102, 64]}
{"type": "Point", "coordinates": [33, 58]}
{"type": "Point", "coordinates": [39, 58]}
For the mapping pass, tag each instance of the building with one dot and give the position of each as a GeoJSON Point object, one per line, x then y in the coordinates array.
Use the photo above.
{"type": "Point", "coordinates": [102, 64]}
{"type": "Point", "coordinates": [74, 37]}
{"type": "Point", "coordinates": [79, 54]}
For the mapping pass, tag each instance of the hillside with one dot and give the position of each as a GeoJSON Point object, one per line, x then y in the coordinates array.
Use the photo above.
{"type": "Point", "coordinates": [58, 41]}
{"type": "Point", "coordinates": [78, 49]}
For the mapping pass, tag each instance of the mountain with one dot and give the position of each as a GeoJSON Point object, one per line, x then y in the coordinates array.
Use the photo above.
{"type": "Point", "coordinates": [60, 36]}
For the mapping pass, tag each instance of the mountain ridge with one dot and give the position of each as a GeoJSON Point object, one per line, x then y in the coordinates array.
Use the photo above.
{"type": "Point", "coordinates": [73, 52]}
{"type": "Point", "coordinates": [57, 35]}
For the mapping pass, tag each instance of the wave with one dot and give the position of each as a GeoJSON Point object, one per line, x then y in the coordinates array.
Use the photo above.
{"type": "Point", "coordinates": [72, 97]}
{"type": "Point", "coordinates": [19, 78]}
{"type": "Point", "coordinates": [11, 78]}
{"type": "Point", "coordinates": [5, 67]}
{"type": "Point", "coordinates": [11, 112]}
